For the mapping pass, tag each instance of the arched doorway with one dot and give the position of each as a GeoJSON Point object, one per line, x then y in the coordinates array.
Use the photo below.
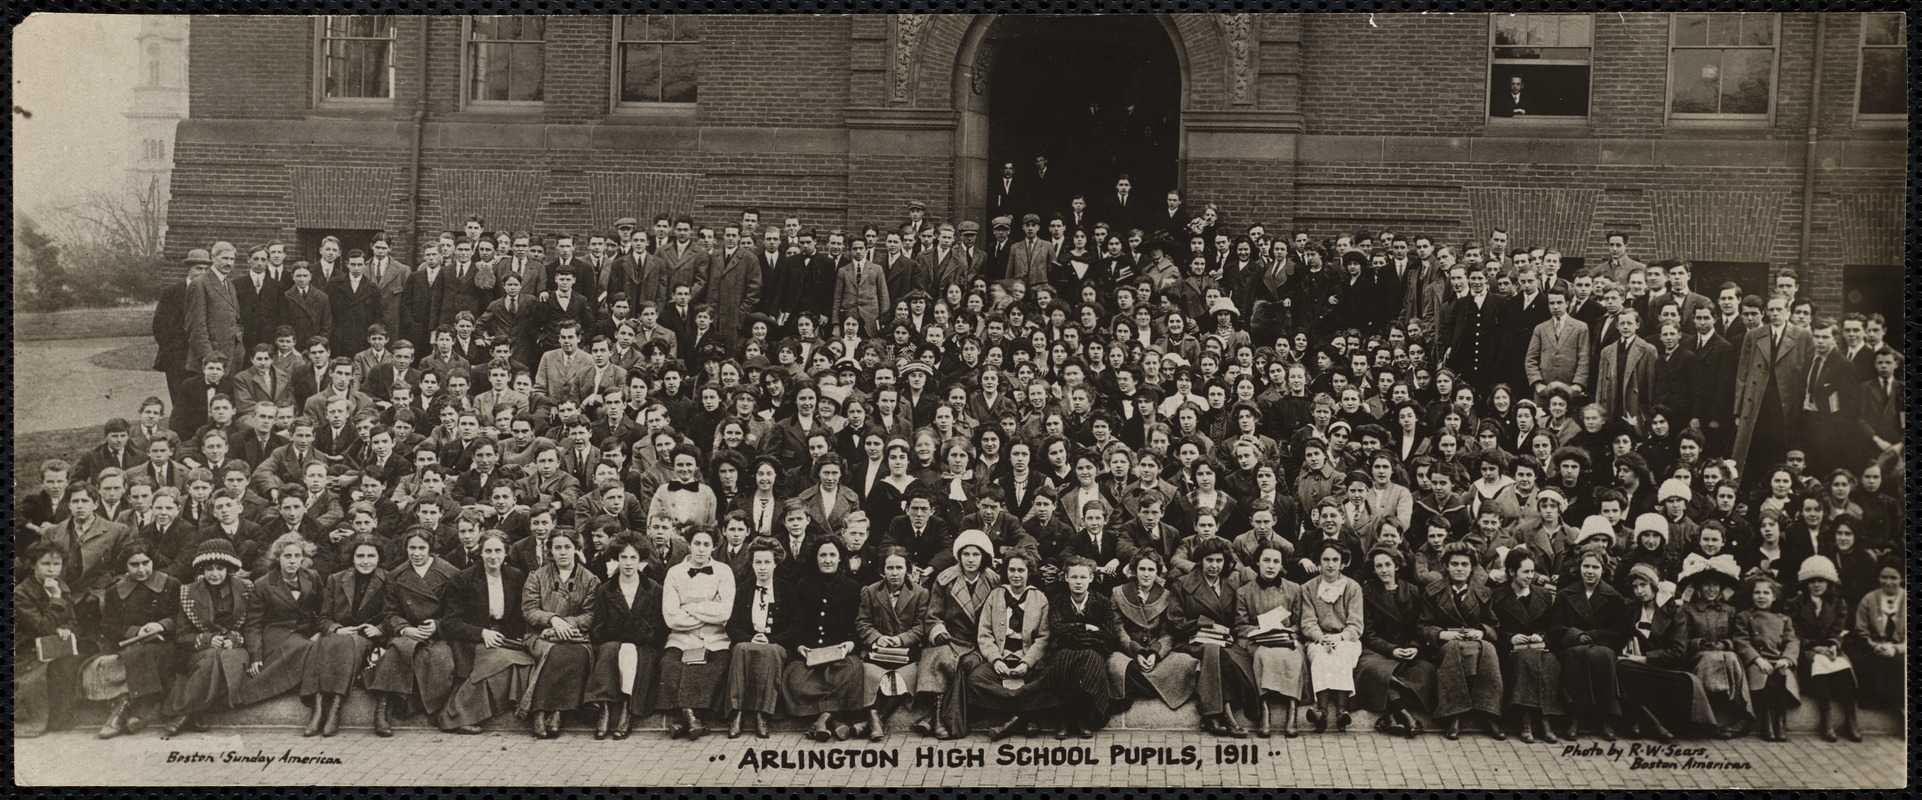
{"type": "Point", "coordinates": [1097, 96]}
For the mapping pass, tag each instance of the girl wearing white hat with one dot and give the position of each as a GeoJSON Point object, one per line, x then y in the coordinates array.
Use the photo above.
{"type": "Point", "coordinates": [1821, 617]}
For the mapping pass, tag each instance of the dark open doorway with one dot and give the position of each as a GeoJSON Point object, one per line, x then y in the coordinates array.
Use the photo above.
{"type": "Point", "coordinates": [1097, 96]}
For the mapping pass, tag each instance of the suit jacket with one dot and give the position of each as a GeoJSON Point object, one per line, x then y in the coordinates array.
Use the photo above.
{"type": "Point", "coordinates": [1562, 357]}
{"type": "Point", "coordinates": [194, 399]}
{"type": "Point", "coordinates": [533, 275]}
{"type": "Point", "coordinates": [861, 292]}
{"type": "Point", "coordinates": [354, 310]}
{"type": "Point", "coordinates": [392, 286]}
{"type": "Point", "coordinates": [1680, 384]}
{"type": "Point", "coordinates": [423, 306]}
{"type": "Point", "coordinates": [259, 309]}
{"type": "Point", "coordinates": [580, 308]}
{"type": "Point", "coordinates": [1762, 363]}
{"type": "Point", "coordinates": [213, 321]}
{"type": "Point", "coordinates": [458, 293]}
{"type": "Point", "coordinates": [685, 268]}
{"type": "Point", "coordinates": [1028, 262]}
{"type": "Point", "coordinates": [170, 329]}
{"type": "Point", "coordinates": [254, 385]}
{"type": "Point", "coordinates": [1637, 385]}
{"type": "Point", "coordinates": [310, 314]}
{"type": "Point", "coordinates": [1881, 411]}
{"type": "Point", "coordinates": [1716, 360]}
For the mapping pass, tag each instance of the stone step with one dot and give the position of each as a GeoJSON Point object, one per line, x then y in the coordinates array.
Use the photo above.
{"type": "Point", "coordinates": [358, 713]}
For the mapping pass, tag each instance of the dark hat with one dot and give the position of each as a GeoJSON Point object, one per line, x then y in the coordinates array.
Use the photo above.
{"type": "Point", "coordinates": [197, 256]}
{"type": "Point", "coordinates": [970, 226]}
{"type": "Point", "coordinates": [1027, 218]}
{"type": "Point", "coordinates": [917, 204]}
{"type": "Point", "coordinates": [219, 550]}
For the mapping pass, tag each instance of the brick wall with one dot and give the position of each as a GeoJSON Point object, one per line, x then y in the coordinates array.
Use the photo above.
{"type": "Point", "coordinates": [787, 71]}
{"type": "Point", "coordinates": [257, 67]}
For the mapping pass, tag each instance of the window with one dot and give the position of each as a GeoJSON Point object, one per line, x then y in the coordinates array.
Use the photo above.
{"type": "Point", "coordinates": [153, 65]}
{"type": "Point", "coordinates": [153, 150]}
{"type": "Point", "coordinates": [1538, 65]}
{"type": "Point", "coordinates": [356, 58]}
{"type": "Point", "coordinates": [506, 59]}
{"type": "Point", "coordinates": [657, 58]}
{"type": "Point", "coordinates": [1882, 89]}
{"type": "Point", "coordinates": [1722, 66]}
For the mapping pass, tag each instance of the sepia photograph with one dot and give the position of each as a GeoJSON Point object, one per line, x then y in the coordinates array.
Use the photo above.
{"type": "Point", "coordinates": [1381, 401]}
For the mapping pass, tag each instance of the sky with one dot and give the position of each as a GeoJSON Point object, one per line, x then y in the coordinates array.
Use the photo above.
{"type": "Point", "coordinates": [75, 73]}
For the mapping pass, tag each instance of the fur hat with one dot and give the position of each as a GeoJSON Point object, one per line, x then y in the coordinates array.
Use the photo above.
{"type": "Point", "coordinates": [1818, 567]}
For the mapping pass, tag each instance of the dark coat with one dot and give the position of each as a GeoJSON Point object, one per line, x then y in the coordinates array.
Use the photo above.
{"type": "Point", "coordinates": [170, 329]}
{"type": "Point", "coordinates": [310, 315]}
{"type": "Point", "coordinates": [639, 624]}
{"type": "Point", "coordinates": [1574, 615]}
{"type": "Point", "coordinates": [259, 310]}
{"type": "Point", "coordinates": [821, 611]}
{"type": "Point", "coordinates": [354, 311]}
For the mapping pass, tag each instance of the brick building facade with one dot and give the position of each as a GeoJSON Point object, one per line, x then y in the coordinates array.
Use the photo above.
{"type": "Point", "coordinates": [302, 126]}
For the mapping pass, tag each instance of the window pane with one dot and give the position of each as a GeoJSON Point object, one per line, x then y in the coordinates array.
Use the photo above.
{"type": "Point", "coordinates": [1509, 29]}
{"type": "Point", "coordinates": [1882, 29]}
{"type": "Point", "coordinates": [687, 28]}
{"type": "Point", "coordinates": [1691, 30]}
{"type": "Point", "coordinates": [640, 73]}
{"type": "Point", "coordinates": [1758, 30]}
{"type": "Point", "coordinates": [525, 77]}
{"type": "Point", "coordinates": [1724, 28]}
{"type": "Point", "coordinates": [633, 28]}
{"type": "Point", "coordinates": [1883, 82]}
{"type": "Point", "coordinates": [677, 72]}
{"type": "Point", "coordinates": [1746, 75]}
{"type": "Point", "coordinates": [659, 28]}
{"type": "Point", "coordinates": [1548, 90]}
{"type": "Point", "coordinates": [1695, 81]}
{"type": "Point", "coordinates": [1575, 30]}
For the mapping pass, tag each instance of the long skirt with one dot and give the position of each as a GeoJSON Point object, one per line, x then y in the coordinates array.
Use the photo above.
{"type": "Point", "coordinates": [493, 686]}
{"type": "Point", "coordinates": [333, 662]}
{"type": "Point", "coordinates": [939, 665]}
{"type": "Point", "coordinates": [1534, 680]}
{"type": "Point", "coordinates": [1079, 680]}
{"type": "Point", "coordinates": [1589, 680]}
{"type": "Point", "coordinates": [754, 683]}
{"type": "Point", "coordinates": [696, 686]}
{"type": "Point", "coordinates": [211, 680]}
{"type": "Point", "coordinates": [559, 681]}
{"type": "Point", "coordinates": [281, 670]}
{"type": "Point", "coordinates": [1724, 679]}
{"type": "Point", "coordinates": [983, 687]}
{"type": "Point", "coordinates": [1332, 669]}
{"type": "Point", "coordinates": [1469, 678]}
{"type": "Point", "coordinates": [42, 693]}
{"type": "Point", "coordinates": [421, 670]}
{"type": "Point", "coordinates": [1883, 679]}
{"type": "Point", "coordinates": [1173, 678]}
{"type": "Point", "coordinates": [1279, 670]}
{"type": "Point", "coordinates": [625, 671]}
{"type": "Point", "coordinates": [1226, 675]}
{"type": "Point", "coordinates": [888, 680]}
{"type": "Point", "coordinates": [825, 688]}
{"type": "Point", "coordinates": [1384, 682]}
{"type": "Point", "coordinates": [138, 671]}
{"type": "Point", "coordinates": [1676, 698]}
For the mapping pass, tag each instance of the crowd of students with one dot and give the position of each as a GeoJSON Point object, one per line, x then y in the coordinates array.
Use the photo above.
{"type": "Point", "coordinates": [1278, 490]}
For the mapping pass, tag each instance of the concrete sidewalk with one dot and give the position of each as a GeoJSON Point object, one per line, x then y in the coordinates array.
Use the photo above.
{"type": "Point", "coordinates": [55, 387]}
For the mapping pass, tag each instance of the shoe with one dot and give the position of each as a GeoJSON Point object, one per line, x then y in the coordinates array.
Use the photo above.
{"type": "Point", "coordinates": [1343, 720]}
{"type": "Point", "coordinates": [601, 726]}
{"type": "Point", "coordinates": [1548, 732]}
{"type": "Point", "coordinates": [623, 721]}
{"type": "Point", "coordinates": [117, 717]}
{"type": "Point", "coordinates": [734, 725]}
{"type": "Point", "coordinates": [134, 724]}
{"type": "Point", "coordinates": [1232, 729]}
{"type": "Point", "coordinates": [314, 722]}
{"type": "Point", "coordinates": [553, 725]}
{"type": "Point", "coordinates": [1528, 736]}
{"type": "Point", "coordinates": [383, 727]}
{"type": "Point", "coordinates": [1261, 720]}
{"type": "Point", "coordinates": [1828, 735]}
{"type": "Point", "coordinates": [467, 730]}
{"type": "Point", "coordinates": [1083, 732]}
{"type": "Point", "coordinates": [1414, 725]}
{"type": "Point", "coordinates": [1064, 732]}
{"type": "Point", "coordinates": [760, 725]}
{"type": "Point", "coordinates": [1495, 732]}
{"type": "Point", "coordinates": [842, 731]}
{"type": "Point", "coordinates": [1653, 727]}
{"type": "Point", "coordinates": [1454, 730]}
{"type": "Point", "coordinates": [676, 728]}
{"type": "Point", "coordinates": [695, 729]}
{"type": "Point", "coordinates": [1318, 719]}
{"type": "Point", "coordinates": [1013, 726]}
{"type": "Point", "coordinates": [923, 726]}
{"type": "Point", "coordinates": [1574, 728]}
{"type": "Point", "coordinates": [1608, 730]}
{"type": "Point", "coordinates": [537, 724]}
{"type": "Point", "coordinates": [175, 726]}
{"type": "Point", "coordinates": [330, 725]}
{"type": "Point", "coordinates": [877, 727]}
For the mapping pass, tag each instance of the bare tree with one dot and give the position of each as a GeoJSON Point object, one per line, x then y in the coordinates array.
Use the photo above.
{"type": "Point", "coordinates": [112, 242]}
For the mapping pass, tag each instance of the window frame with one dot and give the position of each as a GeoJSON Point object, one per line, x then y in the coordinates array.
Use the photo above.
{"type": "Point", "coordinates": [467, 42]}
{"type": "Point", "coordinates": [617, 68]}
{"type": "Point", "coordinates": [321, 100]}
{"type": "Point", "coordinates": [1861, 64]}
{"type": "Point", "coordinates": [1765, 119]}
{"type": "Point", "coordinates": [1488, 110]}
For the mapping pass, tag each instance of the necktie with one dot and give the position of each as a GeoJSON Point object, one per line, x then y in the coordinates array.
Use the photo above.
{"type": "Point", "coordinates": [510, 305]}
{"type": "Point", "coordinates": [1815, 372]}
{"type": "Point", "coordinates": [760, 516]}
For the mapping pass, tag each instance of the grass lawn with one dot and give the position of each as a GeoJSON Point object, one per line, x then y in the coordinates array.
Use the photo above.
{"type": "Point", "coordinates": [32, 448]}
{"type": "Point", "coordinates": [137, 357]}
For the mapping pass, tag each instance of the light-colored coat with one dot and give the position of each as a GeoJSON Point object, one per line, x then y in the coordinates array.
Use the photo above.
{"type": "Point", "coordinates": [392, 283]}
{"type": "Point", "coordinates": [213, 321]}
{"type": "Point", "coordinates": [1640, 378]}
{"type": "Point", "coordinates": [862, 294]}
{"type": "Point", "coordinates": [1558, 357]}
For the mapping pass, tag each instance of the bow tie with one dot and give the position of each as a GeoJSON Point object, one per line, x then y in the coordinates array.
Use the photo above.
{"type": "Point", "coordinates": [677, 486]}
{"type": "Point", "coordinates": [709, 570]}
